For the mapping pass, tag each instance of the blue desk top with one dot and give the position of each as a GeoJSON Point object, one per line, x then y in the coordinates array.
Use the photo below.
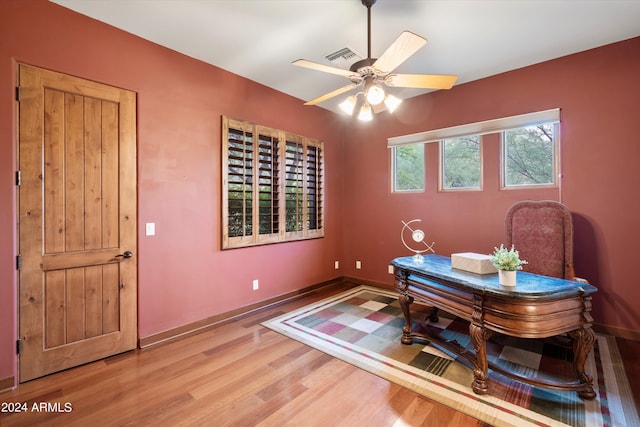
{"type": "Point", "coordinates": [528, 286]}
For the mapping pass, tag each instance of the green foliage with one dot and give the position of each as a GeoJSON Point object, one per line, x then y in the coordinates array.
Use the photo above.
{"type": "Point", "coordinates": [240, 210]}
{"type": "Point", "coordinates": [409, 167]}
{"type": "Point", "coordinates": [461, 162]}
{"type": "Point", "coordinates": [507, 259]}
{"type": "Point", "coordinates": [529, 155]}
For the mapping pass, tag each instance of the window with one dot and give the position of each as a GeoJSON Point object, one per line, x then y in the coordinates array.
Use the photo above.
{"type": "Point", "coordinates": [272, 185]}
{"type": "Point", "coordinates": [529, 152]}
{"type": "Point", "coordinates": [460, 166]}
{"type": "Point", "coordinates": [303, 187]}
{"type": "Point", "coordinates": [529, 156]}
{"type": "Point", "coordinates": [294, 191]}
{"type": "Point", "coordinates": [407, 165]}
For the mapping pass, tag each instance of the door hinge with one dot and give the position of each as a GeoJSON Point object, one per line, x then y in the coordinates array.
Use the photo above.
{"type": "Point", "coordinates": [18, 346]}
{"type": "Point", "coordinates": [18, 262]}
{"type": "Point", "coordinates": [18, 93]}
{"type": "Point", "coordinates": [18, 177]}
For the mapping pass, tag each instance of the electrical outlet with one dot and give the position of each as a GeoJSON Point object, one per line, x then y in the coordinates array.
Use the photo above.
{"type": "Point", "coordinates": [390, 269]}
{"type": "Point", "coordinates": [358, 265]}
{"type": "Point", "coordinates": [337, 265]}
{"type": "Point", "coordinates": [255, 285]}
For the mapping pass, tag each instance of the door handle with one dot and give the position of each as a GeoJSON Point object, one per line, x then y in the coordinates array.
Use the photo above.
{"type": "Point", "coordinates": [126, 254]}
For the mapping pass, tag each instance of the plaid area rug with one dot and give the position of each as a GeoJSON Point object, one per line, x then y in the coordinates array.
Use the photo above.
{"type": "Point", "coordinates": [363, 326]}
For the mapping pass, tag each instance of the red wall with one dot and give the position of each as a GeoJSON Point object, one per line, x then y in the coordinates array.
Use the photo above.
{"type": "Point", "coordinates": [598, 92]}
{"type": "Point", "coordinates": [183, 274]}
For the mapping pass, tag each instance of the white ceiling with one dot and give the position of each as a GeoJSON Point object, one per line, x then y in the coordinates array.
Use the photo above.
{"type": "Point", "coordinates": [258, 39]}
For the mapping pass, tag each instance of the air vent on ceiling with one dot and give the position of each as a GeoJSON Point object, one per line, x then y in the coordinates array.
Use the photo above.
{"type": "Point", "coordinates": [343, 58]}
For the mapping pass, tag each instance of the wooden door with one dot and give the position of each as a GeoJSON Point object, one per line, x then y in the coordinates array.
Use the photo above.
{"type": "Point", "coordinates": [77, 220]}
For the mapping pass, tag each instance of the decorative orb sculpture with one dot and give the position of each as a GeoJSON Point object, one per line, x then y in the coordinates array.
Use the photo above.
{"type": "Point", "coordinates": [417, 236]}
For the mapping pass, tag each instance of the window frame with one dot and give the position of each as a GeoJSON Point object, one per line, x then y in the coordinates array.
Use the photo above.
{"type": "Point", "coordinates": [555, 152]}
{"type": "Point", "coordinates": [442, 170]}
{"type": "Point", "coordinates": [272, 166]}
{"type": "Point", "coordinates": [394, 170]}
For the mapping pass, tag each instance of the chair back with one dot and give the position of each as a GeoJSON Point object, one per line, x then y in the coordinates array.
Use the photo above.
{"type": "Point", "coordinates": [542, 232]}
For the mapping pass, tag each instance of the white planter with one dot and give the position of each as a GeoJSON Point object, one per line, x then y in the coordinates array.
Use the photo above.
{"type": "Point", "coordinates": [507, 278]}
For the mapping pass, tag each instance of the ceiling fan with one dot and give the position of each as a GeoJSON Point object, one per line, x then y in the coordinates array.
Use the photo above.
{"type": "Point", "coordinates": [373, 73]}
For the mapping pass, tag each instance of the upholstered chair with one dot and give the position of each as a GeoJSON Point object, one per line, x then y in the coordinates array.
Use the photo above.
{"type": "Point", "coordinates": [542, 232]}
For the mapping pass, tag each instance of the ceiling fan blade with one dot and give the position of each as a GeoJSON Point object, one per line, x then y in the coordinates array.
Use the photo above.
{"type": "Point", "coordinates": [324, 68]}
{"type": "Point", "coordinates": [422, 81]}
{"type": "Point", "coordinates": [400, 50]}
{"type": "Point", "coordinates": [329, 95]}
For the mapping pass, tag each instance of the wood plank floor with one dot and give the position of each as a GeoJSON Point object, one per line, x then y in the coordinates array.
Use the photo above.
{"type": "Point", "coordinates": [235, 374]}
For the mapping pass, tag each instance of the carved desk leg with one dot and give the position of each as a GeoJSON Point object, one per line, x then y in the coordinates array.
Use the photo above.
{"type": "Point", "coordinates": [583, 340]}
{"type": "Point", "coordinates": [405, 302]}
{"type": "Point", "coordinates": [479, 336]}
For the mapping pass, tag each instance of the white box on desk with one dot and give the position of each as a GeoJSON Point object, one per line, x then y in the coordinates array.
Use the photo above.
{"type": "Point", "coordinates": [475, 263]}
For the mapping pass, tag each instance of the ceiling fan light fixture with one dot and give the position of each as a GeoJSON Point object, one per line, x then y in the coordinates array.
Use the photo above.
{"type": "Point", "coordinates": [365, 114]}
{"type": "Point", "coordinates": [348, 104]}
{"type": "Point", "coordinates": [375, 95]}
{"type": "Point", "coordinates": [391, 102]}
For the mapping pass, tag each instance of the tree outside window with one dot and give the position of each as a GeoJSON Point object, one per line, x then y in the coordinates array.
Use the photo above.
{"type": "Point", "coordinates": [529, 156]}
{"type": "Point", "coordinates": [408, 167]}
{"type": "Point", "coordinates": [461, 163]}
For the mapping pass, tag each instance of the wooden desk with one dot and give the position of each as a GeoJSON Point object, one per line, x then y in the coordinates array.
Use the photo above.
{"type": "Point", "coordinates": [538, 307]}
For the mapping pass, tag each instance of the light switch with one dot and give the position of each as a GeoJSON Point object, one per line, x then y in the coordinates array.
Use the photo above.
{"type": "Point", "coordinates": [151, 229]}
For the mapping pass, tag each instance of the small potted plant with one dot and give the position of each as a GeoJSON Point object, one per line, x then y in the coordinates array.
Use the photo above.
{"type": "Point", "coordinates": [507, 261]}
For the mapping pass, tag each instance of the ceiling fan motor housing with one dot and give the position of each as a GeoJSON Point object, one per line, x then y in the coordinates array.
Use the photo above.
{"type": "Point", "coordinates": [361, 66]}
